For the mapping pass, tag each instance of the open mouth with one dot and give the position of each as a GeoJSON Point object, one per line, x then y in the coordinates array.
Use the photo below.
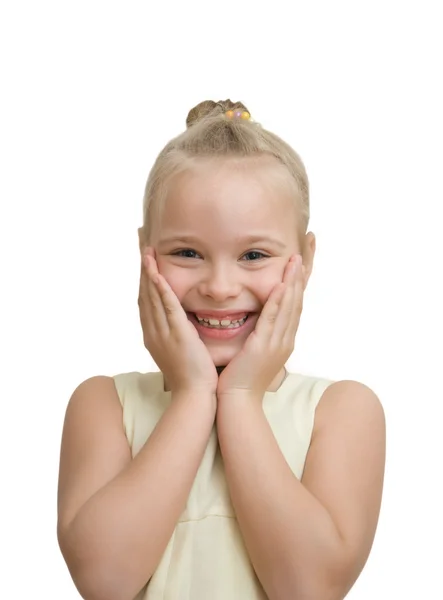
{"type": "Point", "coordinates": [221, 323]}
{"type": "Point", "coordinates": [221, 329]}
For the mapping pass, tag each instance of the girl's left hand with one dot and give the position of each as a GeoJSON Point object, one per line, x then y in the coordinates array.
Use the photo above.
{"type": "Point", "coordinates": [269, 346]}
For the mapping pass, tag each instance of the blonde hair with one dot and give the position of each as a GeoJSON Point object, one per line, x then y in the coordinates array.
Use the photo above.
{"type": "Point", "coordinates": [211, 133]}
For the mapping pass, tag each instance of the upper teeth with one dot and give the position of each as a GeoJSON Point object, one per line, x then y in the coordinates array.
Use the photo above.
{"type": "Point", "coordinates": [223, 322]}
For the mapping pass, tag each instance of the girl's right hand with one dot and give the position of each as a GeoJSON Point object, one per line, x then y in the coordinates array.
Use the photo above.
{"type": "Point", "coordinates": [169, 337]}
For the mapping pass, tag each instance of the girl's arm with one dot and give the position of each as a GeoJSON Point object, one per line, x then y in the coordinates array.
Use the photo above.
{"type": "Point", "coordinates": [116, 515]}
{"type": "Point", "coordinates": [308, 539]}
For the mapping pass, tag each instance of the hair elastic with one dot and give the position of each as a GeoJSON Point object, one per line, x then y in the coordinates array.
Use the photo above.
{"type": "Point", "coordinates": [238, 114]}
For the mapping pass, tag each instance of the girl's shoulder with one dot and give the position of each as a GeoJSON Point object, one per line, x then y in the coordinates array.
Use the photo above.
{"type": "Point", "coordinates": [333, 396]}
{"type": "Point", "coordinates": [352, 399]}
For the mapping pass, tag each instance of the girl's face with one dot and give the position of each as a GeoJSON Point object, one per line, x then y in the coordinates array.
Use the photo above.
{"type": "Point", "coordinates": [226, 231]}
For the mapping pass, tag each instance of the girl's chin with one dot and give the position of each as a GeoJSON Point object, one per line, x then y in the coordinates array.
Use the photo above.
{"type": "Point", "coordinates": [223, 353]}
{"type": "Point", "coordinates": [221, 359]}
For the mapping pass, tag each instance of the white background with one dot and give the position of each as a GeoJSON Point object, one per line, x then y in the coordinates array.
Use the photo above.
{"type": "Point", "coordinates": [90, 92]}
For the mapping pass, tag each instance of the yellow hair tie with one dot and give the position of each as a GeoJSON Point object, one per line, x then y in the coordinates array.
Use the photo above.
{"type": "Point", "coordinates": [238, 114]}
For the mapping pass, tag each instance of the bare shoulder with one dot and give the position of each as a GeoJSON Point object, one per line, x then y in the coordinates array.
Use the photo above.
{"type": "Point", "coordinates": [94, 411]}
{"type": "Point", "coordinates": [349, 419]}
{"type": "Point", "coordinates": [345, 465]}
{"type": "Point", "coordinates": [95, 392]}
{"type": "Point", "coordinates": [94, 448]}
{"type": "Point", "coordinates": [352, 401]}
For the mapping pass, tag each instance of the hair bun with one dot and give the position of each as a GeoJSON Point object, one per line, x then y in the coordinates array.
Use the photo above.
{"type": "Point", "coordinates": [209, 107]}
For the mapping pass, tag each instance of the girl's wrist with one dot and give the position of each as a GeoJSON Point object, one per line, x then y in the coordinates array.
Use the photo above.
{"type": "Point", "coordinates": [197, 396]}
{"type": "Point", "coordinates": [232, 403]}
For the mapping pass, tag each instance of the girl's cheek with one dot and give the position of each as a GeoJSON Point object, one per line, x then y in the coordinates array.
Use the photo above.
{"type": "Point", "coordinates": [165, 269]}
{"type": "Point", "coordinates": [177, 278]}
{"type": "Point", "coordinates": [268, 285]}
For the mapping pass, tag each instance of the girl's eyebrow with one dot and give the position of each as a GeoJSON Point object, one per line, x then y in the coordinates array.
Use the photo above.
{"type": "Point", "coordinates": [254, 239]}
{"type": "Point", "coordinates": [250, 239]}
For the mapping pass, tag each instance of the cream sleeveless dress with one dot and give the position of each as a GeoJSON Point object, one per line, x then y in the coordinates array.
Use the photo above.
{"type": "Point", "coordinates": [206, 558]}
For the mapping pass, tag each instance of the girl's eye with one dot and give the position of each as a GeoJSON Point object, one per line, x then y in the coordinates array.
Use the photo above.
{"type": "Point", "coordinates": [258, 255]}
{"type": "Point", "coordinates": [185, 253]}
{"type": "Point", "coordinates": [189, 253]}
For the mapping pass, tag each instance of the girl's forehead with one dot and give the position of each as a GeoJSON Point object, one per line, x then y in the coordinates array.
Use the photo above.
{"type": "Point", "coordinates": [224, 198]}
{"type": "Point", "coordinates": [223, 204]}
{"type": "Point", "coordinates": [227, 200]}
{"type": "Point", "coordinates": [232, 183]}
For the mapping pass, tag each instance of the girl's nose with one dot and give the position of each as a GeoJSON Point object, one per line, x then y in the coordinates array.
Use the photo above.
{"type": "Point", "coordinates": [219, 285]}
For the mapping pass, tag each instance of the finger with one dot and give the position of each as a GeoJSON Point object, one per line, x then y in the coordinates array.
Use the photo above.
{"type": "Point", "coordinates": [292, 303]}
{"type": "Point", "coordinates": [266, 321]}
{"type": "Point", "coordinates": [148, 327]}
{"type": "Point", "coordinates": [274, 319]}
{"type": "Point", "coordinates": [298, 286]}
{"type": "Point", "coordinates": [170, 311]}
{"type": "Point", "coordinates": [144, 282]}
{"type": "Point", "coordinates": [284, 317]}
{"type": "Point", "coordinates": [154, 304]}
{"type": "Point", "coordinates": [174, 314]}
{"type": "Point", "coordinates": [272, 306]}
{"type": "Point", "coordinates": [148, 252]}
{"type": "Point", "coordinates": [285, 311]}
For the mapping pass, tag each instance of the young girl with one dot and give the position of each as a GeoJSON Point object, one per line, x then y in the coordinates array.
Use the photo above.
{"type": "Point", "coordinates": [222, 476]}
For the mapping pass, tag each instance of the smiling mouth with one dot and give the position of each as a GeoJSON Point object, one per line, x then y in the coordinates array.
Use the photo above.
{"type": "Point", "coordinates": [224, 330]}
{"type": "Point", "coordinates": [215, 323]}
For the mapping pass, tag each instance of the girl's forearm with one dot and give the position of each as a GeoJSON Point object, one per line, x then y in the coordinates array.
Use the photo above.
{"type": "Point", "coordinates": [291, 539]}
{"type": "Point", "coordinates": [116, 540]}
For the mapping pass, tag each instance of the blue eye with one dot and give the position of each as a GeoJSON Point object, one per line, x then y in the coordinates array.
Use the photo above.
{"type": "Point", "coordinates": [181, 253]}
{"type": "Point", "coordinates": [256, 253]}
{"type": "Point", "coordinates": [188, 252]}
